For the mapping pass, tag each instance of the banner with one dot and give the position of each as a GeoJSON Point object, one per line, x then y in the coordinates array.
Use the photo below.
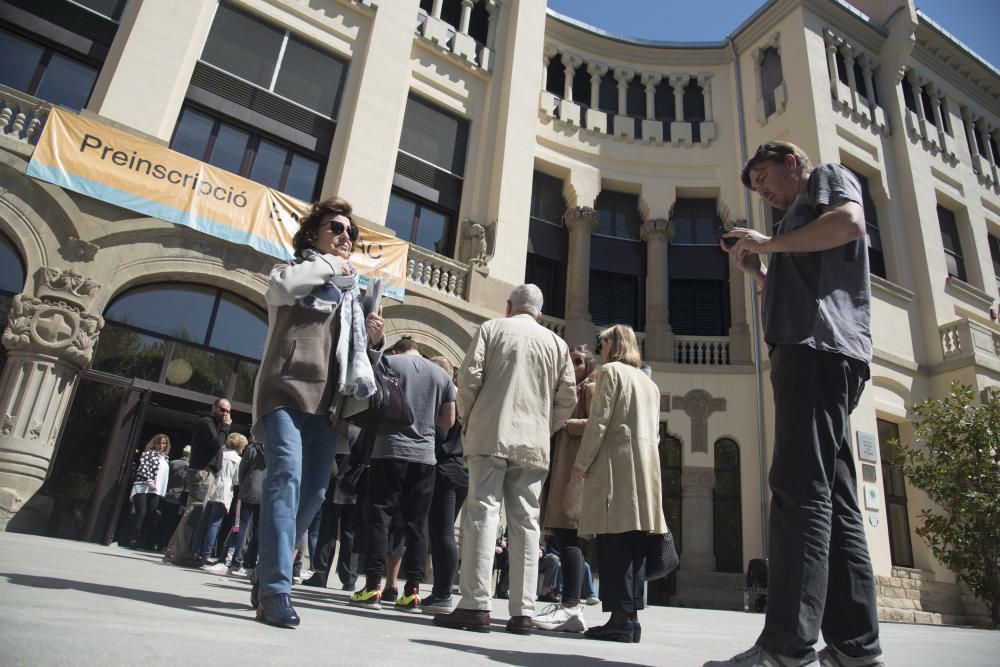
{"type": "Point", "coordinates": [105, 163]}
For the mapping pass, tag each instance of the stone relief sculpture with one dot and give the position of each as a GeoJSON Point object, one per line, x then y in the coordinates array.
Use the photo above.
{"type": "Point", "coordinates": [70, 281]}
{"type": "Point", "coordinates": [483, 242]}
{"type": "Point", "coordinates": [79, 250]}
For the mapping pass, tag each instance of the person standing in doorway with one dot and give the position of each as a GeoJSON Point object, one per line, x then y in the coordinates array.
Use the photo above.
{"type": "Point", "coordinates": [150, 485]}
{"type": "Point", "coordinates": [817, 325]}
{"type": "Point", "coordinates": [207, 441]}
{"type": "Point", "coordinates": [172, 503]}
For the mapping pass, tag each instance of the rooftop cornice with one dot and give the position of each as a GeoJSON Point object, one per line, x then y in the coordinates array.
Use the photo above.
{"type": "Point", "coordinates": [939, 50]}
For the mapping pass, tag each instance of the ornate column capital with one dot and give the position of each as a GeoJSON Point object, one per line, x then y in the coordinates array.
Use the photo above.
{"type": "Point", "coordinates": [580, 217]}
{"type": "Point", "coordinates": [56, 321]}
{"type": "Point", "coordinates": [623, 75]}
{"type": "Point", "coordinates": [651, 79]}
{"type": "Point", "coordinates": [597, 69]}
{"type": "Point", "coordinates": [657, 228]}
{"type": "Point", "coordinates": [571, 60]}
{"type": "Point", "coordinates": [705, 80]}
{"type": "Point", "coordinates": [549, 53]}
{"type": "Point", "coordinates": [678, 81]}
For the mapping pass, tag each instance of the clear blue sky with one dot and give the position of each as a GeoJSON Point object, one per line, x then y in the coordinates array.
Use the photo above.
{"type": "Point", "coordinates": [974, 22]}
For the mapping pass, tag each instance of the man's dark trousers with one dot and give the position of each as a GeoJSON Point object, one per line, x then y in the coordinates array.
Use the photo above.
{"type": "Point", "coordinates": [410, 486]}
{"type": "Point", "coordinates": [822, 574]}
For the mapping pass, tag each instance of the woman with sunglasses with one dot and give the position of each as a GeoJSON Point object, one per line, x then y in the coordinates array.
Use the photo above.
{"type": "Point", "coordinates": [314, 357]}
{"type": "Point", "coordinates": [563, 500]}
{"type": "Point", "coordinates": [619, 445]}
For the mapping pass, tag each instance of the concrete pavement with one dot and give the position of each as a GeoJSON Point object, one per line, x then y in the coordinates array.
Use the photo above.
{"type": "Point", "coordinates": [76, 603]}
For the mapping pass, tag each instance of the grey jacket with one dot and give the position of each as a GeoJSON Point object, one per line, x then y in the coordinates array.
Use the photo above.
{"type": "Point", "coordinates": [251, 473]}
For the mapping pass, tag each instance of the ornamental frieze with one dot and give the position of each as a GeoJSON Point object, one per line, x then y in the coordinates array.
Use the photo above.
{"type": "Point", "coordinates": [52, 327]}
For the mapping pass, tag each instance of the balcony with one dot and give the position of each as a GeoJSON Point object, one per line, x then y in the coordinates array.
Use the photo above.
{"type": "Point", "coordinates": [971, 341]}
{"type": "Point", "coordinates": [701, 350]}
{"type": "Point", "coordinates": [21, 116]}
{"type": "Point", "coordinates": [437, 272]}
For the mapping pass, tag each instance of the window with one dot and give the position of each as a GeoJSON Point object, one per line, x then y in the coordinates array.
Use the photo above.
{"type": "Point", "coordinates": [44, 73]}
{"type": "Point", "coordinates": [191, 336]}
{"type": "Point", "coordinates": [664, 106]}
{"type": "Point", "coordinates": [418, 223]}
{"type": "Point", "coordinates": [694, 108]}
{"type": "Point", "coordinates": [699, 307]}
{"type": "Point", "coordinates": [694, 222]}
{"type": "Point", "coordinates": [771, 77]}
{"type": "Point", "coordinates": [618, 215]}
{"type": "Point", "coordinates": [876, 257]}
{"type": "Point", "coordinates": [909, 99]}
{"type": "Point", "coordinates": [894, 484]}
{"type": "Point", "coordinates": [728, 521]}
{"type": "Point", "coordinates": [547, 202]}
{"type": "Point", "coordinates": [671, 472]}
{"type": "Point", "coordinates": [614, 299]}
{"type": "Point", "coordinates": [635, 103]}
{"type": "Point", "coordinates": [271, 58]}
{"type": "Point", "coordinates": [451, 13]}
{"type": "Point", "coordinates": [952, 243]}
{"type": "Point", "coordinates": [699, 271]}
{"type": "Point", "coordinates": [608, 93]}
{"type": "Point", "coordinates": [250, 154]}
{"type": "Point", "coordinates": [555, 77]}
{"type": "Point", "coordinates": [995, 256]}
{"type": "Point", "coordinates": [548, 274]}
{"type": "Point", "coordinates": [430, 166]}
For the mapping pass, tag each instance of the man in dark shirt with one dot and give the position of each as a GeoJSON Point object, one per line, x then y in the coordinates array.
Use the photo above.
{"type": "Point", "coordinates": [207, 440]}
{"type": "Point", "coordinates": [816, 316]}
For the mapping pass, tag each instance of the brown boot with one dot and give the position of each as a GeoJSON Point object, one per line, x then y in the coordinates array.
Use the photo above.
{"type": "Point", "coordinates": [474, 620]}
{"type": "Point", "coordinates": [519, 625]}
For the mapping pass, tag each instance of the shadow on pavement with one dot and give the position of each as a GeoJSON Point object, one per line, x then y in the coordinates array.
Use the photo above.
{"type": "Point", "coordinates": [201, 605]}
{"type": "Point", "coordinates": [524, 658]}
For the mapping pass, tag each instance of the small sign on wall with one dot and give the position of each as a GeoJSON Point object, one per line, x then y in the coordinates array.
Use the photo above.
{"type": "Point", "coordinates": [867, 447]}
{"type": "Point", "coordinates": [873, 501]}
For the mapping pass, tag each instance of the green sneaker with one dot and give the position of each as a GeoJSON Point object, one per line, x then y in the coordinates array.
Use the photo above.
{"type": "Point", "coordinates": [409, 603]}
{"type": "Point", "coordinates": [372, 599]}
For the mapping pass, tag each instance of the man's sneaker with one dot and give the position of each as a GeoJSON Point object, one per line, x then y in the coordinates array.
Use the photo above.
{"type": "Point", "coordinates": [592, 600]}
{"type": "Point", "coordinates": [238, 572]}
{"type": "Point", "coordinates": [390, 594]}
{"type": "Point", "coordinates": [758, 657]}
{"type": "Point", "coordinates": [218, 568]}
{"type": "Point", "coordinates": [372, 599]}
{"type": "Point", "coordinates": [833, 657]}
{"type": "Point", "coordinates": [561, 619]}
{"type": "Point", "coordinates": [435, 604]}
{"type": "Point", "coordinates": [409, 603]}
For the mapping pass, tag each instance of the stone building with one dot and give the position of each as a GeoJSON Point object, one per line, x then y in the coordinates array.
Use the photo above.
{"type": "Point", "coordinates": [504, 142]}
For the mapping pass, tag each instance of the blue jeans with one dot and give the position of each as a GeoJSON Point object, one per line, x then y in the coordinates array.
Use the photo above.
{"type": "Point", "coordinates": [203, 540]}
{"type": "Point", "coordinates": [298, 450]}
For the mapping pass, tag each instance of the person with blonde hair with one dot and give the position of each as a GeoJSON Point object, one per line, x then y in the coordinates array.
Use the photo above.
{"type": "Point", "coordinates": [150, 484]}
{"type": "Point", "coordinates": [203, 540]}
{"type": "Point", "coordinates": [620, 445]}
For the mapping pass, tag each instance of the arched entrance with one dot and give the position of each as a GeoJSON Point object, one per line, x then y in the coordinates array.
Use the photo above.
{"type": "Point", "coordinates": [12, 275]}
{"type": "Point", "coordinates": [166, 353]}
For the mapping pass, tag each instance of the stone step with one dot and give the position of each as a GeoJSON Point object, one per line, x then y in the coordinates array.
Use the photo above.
{"type": "Point", "coordinates": [899, 615]}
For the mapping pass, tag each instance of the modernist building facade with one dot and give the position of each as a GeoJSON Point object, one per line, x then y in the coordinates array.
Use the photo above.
{"type": "Point", "coordinates": [505, 143]}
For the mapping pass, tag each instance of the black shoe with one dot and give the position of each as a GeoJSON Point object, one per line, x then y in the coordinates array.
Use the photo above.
{"type": "Point", "coordinates": [277, 610]}
{"type": "Point", "coordinates": [390, 594]}
{"type": "Point", "coordinates": [636, 632]}
{"type": "Point", "coordinates": [549, 597]}
{"type": "Point", "coordinates": [254, 589]}
{"type": "Point", "coordinates": [624, 633]}
{"type": "Point", "coordinates": [519, 625]}
{"type": "Point", "coordinates": [318, 579]}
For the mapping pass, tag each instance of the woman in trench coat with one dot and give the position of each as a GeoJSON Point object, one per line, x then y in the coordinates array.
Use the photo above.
{"type": "Point", "coordinates": [619, 463]}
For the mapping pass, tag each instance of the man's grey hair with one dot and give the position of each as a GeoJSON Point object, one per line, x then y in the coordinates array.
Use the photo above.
{"type": "Point", "coordinates": [527, 299]}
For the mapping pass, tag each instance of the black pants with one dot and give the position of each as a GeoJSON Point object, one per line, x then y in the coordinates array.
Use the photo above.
{"type": "Point", "coordinates": [250, 552]}
{"type": "Point", "coordinates": [337, 522]}
{"type": "Point", "coordinates": [143, 512]}
{"type": "Point", "coordinates": [621, 558]}
{"type": "Point", "coordinates": [445, 505]}
{"type": "Point", "coordinates": [571, 560]}
{"type": "Point", "coordinates": [409, 486]}
{"type": "Point", "coordinates": [822, 575]}
{"type": "Point", "coordinates": [170, 516]}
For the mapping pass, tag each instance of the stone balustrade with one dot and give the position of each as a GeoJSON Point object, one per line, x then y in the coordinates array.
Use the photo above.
{"type": "Point", "coordinates": [701, 350]}
{"type": "Point", "coordinates": [553, 324]}
{"type": "Point", "coordinates": [967, 338]}
{"type": "Point", "coordinates": [437, 272]}
{"type": "Point", "coordinates": [457, 40]}
{"type": "Point", "coordinates": [21, 116]}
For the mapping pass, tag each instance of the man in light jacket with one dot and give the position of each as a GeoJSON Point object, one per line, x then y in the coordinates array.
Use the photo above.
{"type": "Point", "coordinates": [516, 389]}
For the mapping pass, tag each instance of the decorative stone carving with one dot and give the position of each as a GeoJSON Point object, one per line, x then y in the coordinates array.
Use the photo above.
{"type": "Point", "coordinates": [56, 322]}
{"type": "Point", "coordinates": [6, 425]}
{"type": "Point", "coordinates": [577, 216]}
{"type": "Point", "coordinates": [483, 244]}
{"type": "Point", "coordinates": [699, 405]}
{"type": "Point", "coordinates": [656, 227]}
{"type": "Point", "coordinates": [79, 250]}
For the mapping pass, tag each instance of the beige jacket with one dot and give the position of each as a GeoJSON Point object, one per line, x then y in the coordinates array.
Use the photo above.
{"type": "Point", "coordinates": [516, 389]}
{"type": "Point", "coordinates": [619, 452]}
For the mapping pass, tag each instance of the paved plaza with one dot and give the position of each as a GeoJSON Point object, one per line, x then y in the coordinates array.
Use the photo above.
{"type": "Point", "coordinates": [76, 603]}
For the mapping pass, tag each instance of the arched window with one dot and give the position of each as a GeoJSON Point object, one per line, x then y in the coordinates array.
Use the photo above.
{"type": "Point", "coordinates": [12, 275]}
{"type": "Point", "coordinates": [771, 77]}
{"type": "Point", "coordinates": [671, 470]}
{"type": "Point", "coordinates": [726, 508]}
{"type": "Point", "coordinates": [191, 336]}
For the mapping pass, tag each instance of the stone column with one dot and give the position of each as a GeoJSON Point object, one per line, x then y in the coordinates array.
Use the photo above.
{"type": "Point", "coordinates": [698, 519]}
{"type": "Point", "coordinates": [569, 111]}
{"type": "Point", "coordinates": [946, 141]}
{"type": "Point", "coordinates": [708, 125]}
{"type": "Point", "coordinates": [866, 71]}
{"type": "Point", "coordinates": [50, 337]}
{"type": "Point", "coordinates": [970, 135]}
{"type": "Point", "coordinates": [463, 26]}
{"type": "Point", "coordinates": [852, 83]}
{"type": "Point", "coordinates": [831, 62]}
{"type": "Point", "coordinates": [652, 129]}
{"type": "Point", "coordinates": [596, 72]}
{"type": "Point", "coordinates": [917, 86]}
{"type": "Point", "coordinates": [436, 8]}
{"type": "Point", "coordinates": [493, 9]}
{"type": "Point", "coordinates": [680, 131]}
{"type": "Point", "coordinates": [659, 345]}
{"type": "Point", "coordinates": [984, 136]}
{"type": "Point", "coordinates": [581, 222]}
{"type": "Point", "coordinates": [623, 125]}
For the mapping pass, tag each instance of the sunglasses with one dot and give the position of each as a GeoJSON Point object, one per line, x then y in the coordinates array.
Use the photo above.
{"type": "Point", "coordinates": [338, 228]}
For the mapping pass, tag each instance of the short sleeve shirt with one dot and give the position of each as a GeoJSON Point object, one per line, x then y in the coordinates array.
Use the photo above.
{"type": "Point", "coordinates": [820, 299]}
{"type": "Point", "coordinates": [426, 387]}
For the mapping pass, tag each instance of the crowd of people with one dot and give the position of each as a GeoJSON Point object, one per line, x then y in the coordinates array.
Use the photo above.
{"type": "Point", "coordinates": [568, 448]}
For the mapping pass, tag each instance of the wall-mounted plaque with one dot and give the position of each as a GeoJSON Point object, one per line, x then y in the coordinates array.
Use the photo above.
{"type": "Point", "coordinates": [867, 447]}
{"type": "Point", "coordinates": [873, 501]}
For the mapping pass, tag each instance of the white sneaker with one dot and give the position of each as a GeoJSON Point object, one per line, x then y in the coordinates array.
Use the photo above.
{"type": "Point", "coordinates": [561, 619]}
{"type": "Point", "coordinates": [218, 568]}
{"type": "Point", "coordinates": [592, 600]}
{"type": "Point", "coordinates": [758, 657]}
{"type": "Point", "coordinates": [238, 572]}
{"type": "Point", "coordinates": [832, 657]}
